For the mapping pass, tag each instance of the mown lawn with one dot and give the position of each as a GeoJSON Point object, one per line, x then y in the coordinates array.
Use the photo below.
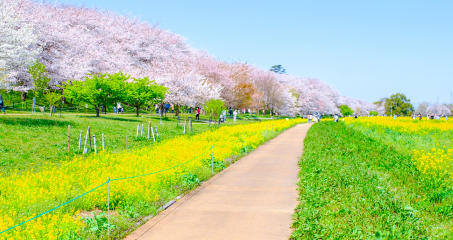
{"type": "Point", "coordinates": [356, 187]}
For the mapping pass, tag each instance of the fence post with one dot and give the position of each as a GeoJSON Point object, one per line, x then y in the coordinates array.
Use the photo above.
{"type": "Point", "coordinates": [152, 131]}
{"type": "Point", "coordinates": [95, 148]}
{"type": "Point", "coordinates": [103, 143]}
{"type": "Point", "coordinates": [85, 150]}
{"type": "Point", "coordinates": [157, 133]}
{"type": "Point", "coordinates": [138, 127]}
{"type": "Point", "coordinates": [89, 131]}
{"type": "Point", "coordinates": [80, 139]}
{"type": "Point", "coordinates": [69, 138]}
{"type": "Point", "coordinates": [149, 125]}
{"type": "Point", "coordinates": [108, 207]}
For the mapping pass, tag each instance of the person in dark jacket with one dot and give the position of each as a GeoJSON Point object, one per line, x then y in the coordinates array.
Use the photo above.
{"type": "Point", "coordinates": [1, 104]}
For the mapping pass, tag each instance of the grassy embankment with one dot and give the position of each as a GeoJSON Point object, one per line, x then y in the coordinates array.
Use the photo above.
{"type": "Point", "coordinates": [29, 141]}
{"type": "Point", "coordinates": [360, 184]}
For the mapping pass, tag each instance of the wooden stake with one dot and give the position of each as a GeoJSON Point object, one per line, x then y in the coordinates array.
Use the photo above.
{"type": "Point", "coordinates": [149, 126]}
{"type": "Point", "coordinates": [95, 147]}
{"type": "Point", "coordinates": [89, 131]}
{"type": "Point", "coordinates": [80, 139]}
{"type": "Point", "coordinates": [85, 150]}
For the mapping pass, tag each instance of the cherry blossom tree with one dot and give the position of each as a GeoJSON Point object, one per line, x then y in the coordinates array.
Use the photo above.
{"type": "Point", "coordinates": [289, 103]}
{"type": "Point", "coordinates": [354, 104]}
{"type": "Point", "coordinates": [438, 109]}
{"type": "Point", "coordinates": [271, 91]}
{"type": "Point", "coordinates": [17, 42]}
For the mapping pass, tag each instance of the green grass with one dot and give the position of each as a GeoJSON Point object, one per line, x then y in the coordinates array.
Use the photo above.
{"type": "Point", "coordinates": [353, 186]}
{"type": "Point", "coordinates": [30, 141]}
{"type": "Point", "coordinates": [405, 142]}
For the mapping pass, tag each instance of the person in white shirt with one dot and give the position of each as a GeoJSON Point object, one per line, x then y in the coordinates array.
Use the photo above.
{"type": "Point", "coordinates": [235, 113]}
{"type": "Point", "coordinates": [119, 109]}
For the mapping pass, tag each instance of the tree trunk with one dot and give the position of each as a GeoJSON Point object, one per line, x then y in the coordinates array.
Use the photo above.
{"type": "Point", "coordinates": [23, 96]}
{"type": "Point", "coordinates": [176, 110]}
{"type": "Point", "coordinates": [97, 111]}
{"type": "Point", "coordinates": [136, 109]}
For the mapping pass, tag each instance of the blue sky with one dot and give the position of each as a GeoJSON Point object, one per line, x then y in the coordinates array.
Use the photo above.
{"type": "Point", "coordinates": [365, 49]}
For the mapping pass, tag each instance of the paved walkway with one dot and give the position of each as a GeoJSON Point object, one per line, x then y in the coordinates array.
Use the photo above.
{"type": "Point", "coordinates": [252, 199]}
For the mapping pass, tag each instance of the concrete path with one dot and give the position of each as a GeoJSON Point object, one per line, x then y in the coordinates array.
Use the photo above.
{"type": "Point", "coordinates": [252, 199]}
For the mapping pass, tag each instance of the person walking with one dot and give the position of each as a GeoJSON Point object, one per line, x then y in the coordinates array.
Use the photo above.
{"type": "Point", "coordinates": [1, 104]}
{"type": "Point", "coordinates": [419, 116]}
{"type": "Point", "coordinates": [119, 108]}
{"type": "Point", "coordinates": [235, 113]}
{"type": "Point", "coordinates": [197, 116]}
{"type": "Point", "coordinates": [230, 111]}
{"type": "Point", "coordinates": [224, 112]}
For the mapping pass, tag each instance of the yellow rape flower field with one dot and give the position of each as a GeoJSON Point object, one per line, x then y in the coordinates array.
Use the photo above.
{"type": "Point", "coordinates": [428, 141]}
{"type": "Point", "coordinates": [143, 177]}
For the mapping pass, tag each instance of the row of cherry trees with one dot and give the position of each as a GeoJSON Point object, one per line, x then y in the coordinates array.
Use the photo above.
{"type": "Point", "coordinates": [74, 41]}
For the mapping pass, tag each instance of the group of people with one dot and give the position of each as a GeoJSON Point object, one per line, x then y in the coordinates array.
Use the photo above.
{"type": "Point", "coordinates": [314, 118]}
{"type": "Point", "coordinates": [118, 108]}
{"type": "Point", "coordinates": [232, 112]}
{"type": "Point", "coordinates": [429, 116]}
{"type": "Point", "coordinates": [435, 117]}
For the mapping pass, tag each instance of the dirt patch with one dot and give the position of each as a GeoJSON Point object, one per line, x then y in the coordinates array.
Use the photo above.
{"type": "Point", "coordinates": [90, 214]}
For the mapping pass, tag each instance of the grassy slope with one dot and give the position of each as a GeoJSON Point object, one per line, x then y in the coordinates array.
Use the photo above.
{"type": "Point", "coordinates": [29, 141]}
{"type": "Point", "coordinates": [353, 186]}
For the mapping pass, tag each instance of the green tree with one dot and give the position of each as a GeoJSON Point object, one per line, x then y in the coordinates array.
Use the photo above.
{"type": "Point", "coordinates": [278, 69]}
{"type": "Point", "coordinates": [345, 110]}
{"type": "Point", "coordinates": [40, 77]}
{"type": "Point", "coordinates": [143, 91]}
{"type": "Point", "coordinates": [98, 89]}
{"type": "Point", "coordinates": [41, 81]}
{"type": "Point", "coordinates": [214, 107]}
{"type": "Point", "coordinates": [398, 104]}
{"type": "Point", "coordinates": [373, 113]}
